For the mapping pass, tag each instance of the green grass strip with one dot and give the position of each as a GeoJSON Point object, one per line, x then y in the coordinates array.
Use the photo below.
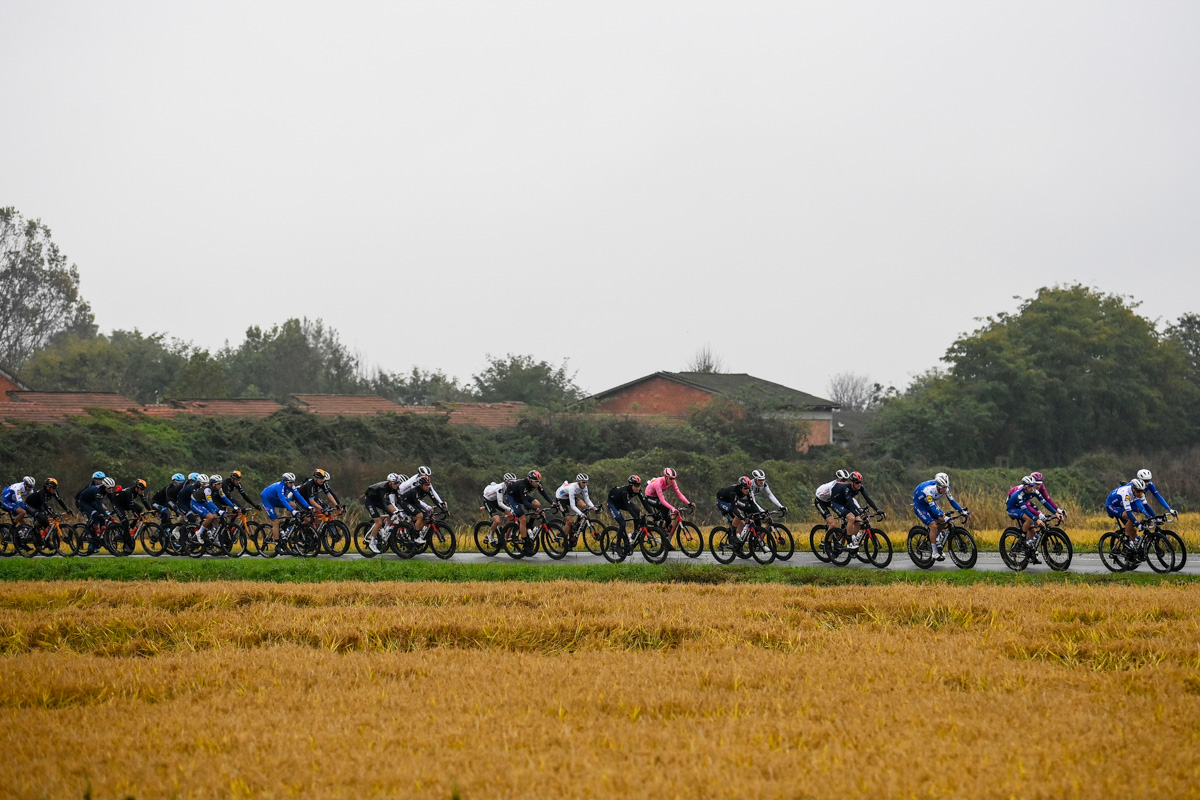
{"type": "Point", "coordinates": [293, 570]}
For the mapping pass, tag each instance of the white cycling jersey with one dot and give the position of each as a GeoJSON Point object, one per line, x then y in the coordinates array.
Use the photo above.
{"type": "Point", "coordinates": [495, 492]}
{"type": "Point", "coordinates": [766, 487]}
{"type": "Point", "coordinates": [18, 490]}
{"type": "Point", "coordinates": [411, 484]}
{"type": "Point", "coordinates": [825, 491]}
{"type": "Point", "coordinates": [569, 491]}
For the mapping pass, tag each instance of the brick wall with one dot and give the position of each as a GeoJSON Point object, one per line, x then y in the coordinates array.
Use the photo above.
{"type": "Point", "coordinates": [819, 431]}
{"type": "Point", "coordinates": [7, 386]}
{"type": "Point", "coordinates": [656, 396]}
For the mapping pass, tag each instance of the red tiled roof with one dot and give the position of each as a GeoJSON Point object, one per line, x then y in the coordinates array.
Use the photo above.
{"type": "Point", "coordinates": [75, 400]}
{"type": "Point", "coordinates": [485, 415]}
{"type": "Point", "coordinates": [232, 407]}
{"type": "Point", "coordinates": [21, 412]}
{"type": "Point", "coordinates": [351, 405]}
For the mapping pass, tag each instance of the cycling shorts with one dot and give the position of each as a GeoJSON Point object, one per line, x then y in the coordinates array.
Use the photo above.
{"type": "Point", "coordinates": [823, 507]}
{"type": "Point", "coordinates": [926, 512]}
{"type": "Point", "coordinates": [844, 511]}
{"type": "Point", "coordinates": [493, 508]}
{"type": "Point", "coordinates": [1119, 512]}
{"type": "Point", "coordinates": [1022, 513]}
{"type": "Point", "coordinates": [203, 509]}
{"type": "Point", "coordinates": [619, 514]}
{"type": "Point", "coordinates": [11, 507]}
{"type": "Point", "coordinates": [270, 505]}
{"type": "Point", "coordinates": [518, 508]}
{"type": "Point", "coordinates": [373, 511]}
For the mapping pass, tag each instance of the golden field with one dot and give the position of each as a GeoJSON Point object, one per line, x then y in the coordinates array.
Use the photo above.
{"type": "Point", "coordinates": [594, 690]}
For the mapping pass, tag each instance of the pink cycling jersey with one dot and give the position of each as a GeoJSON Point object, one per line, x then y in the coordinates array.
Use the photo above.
{"type": "Point", "coordinates": [657, 488]}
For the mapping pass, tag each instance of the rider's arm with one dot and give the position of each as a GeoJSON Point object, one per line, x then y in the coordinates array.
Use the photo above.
{"type": "Point", "coordinates": [1044, 496]}
{"type": "Point", "coordinates": [300, 498]}
{"type": "Point", "coordinates": [1162, 501]}
{"type": "Point", "coordinates": [953, 502]}
{"type": "Point", "coordinates": [587, 498]}
{"type": "Point", "coordinates": [866, 497]}
{"type": "Point", "coordinates": [433, 492]}
{"type": "Point", "coordinates": [542, 490]}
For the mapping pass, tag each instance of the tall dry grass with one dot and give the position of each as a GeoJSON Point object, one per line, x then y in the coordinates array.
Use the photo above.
{"type": "Point", "coordinates": [586, 690]}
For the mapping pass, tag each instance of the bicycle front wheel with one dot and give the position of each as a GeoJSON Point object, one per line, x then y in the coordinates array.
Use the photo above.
{"type": "Point", "coordinates": [785, 545]}
{"type": "Point", "coordinates": [151, 538]}
{"type": "Point", "coordinates": [1160, 553]}
{"type": "Point", "coordinates": [554, 540]}
{"type": "Point", "coordinates": [1177, 544]}
{"type": "Point", "coordinates": [1057, 550]}
{"type": "Point", "coordinates": [880, 547]}
{"type": "Point", "coordinates": [691, 541]}
{"type": "Point", "coordinates": [837, 548]}
{"type": "Point", "coordinates": [335, 538]}
{"type": "Point", "coordinates": [441, 540]}
{"type": "Point", "coordinates": [960, 545]}
{"type": "Point", "coordinates": [816, 542]}
{"type": "Point", "coordinates": [654, 545]}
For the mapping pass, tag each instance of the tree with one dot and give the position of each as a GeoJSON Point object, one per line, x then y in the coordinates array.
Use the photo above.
{"type": "Point", "coordinates": [297, 357]}
{"type": "Point", "coordinates": [1072, 371]}
{"type": "Point", "coordinates": [201, 376]}
{"type": "Point", "coordinates": [419, 388]}
{"type": "Point", "coordinates": [41, 297]}
{"type": "Point", "coordinates": [128, 362]}
{"type": "Point", "coordinates": [1186, 331]}
{"type": "Point", "coordinates": [705, 360]}
{"type": "Point", "coordinates": [537, 383]}
{"type": "Point", "coordinates": [853, 392]}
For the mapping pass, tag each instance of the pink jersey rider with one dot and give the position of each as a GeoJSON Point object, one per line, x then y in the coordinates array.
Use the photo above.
{"type": "Point", "coordinates": [657, 490]}
{"type": "Point", "coordinates": [1039, 490]}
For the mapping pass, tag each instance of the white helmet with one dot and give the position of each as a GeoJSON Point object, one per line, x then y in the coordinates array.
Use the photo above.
{"type": "Point", "coordinates": [393, 477]}
{"type": "Point", "coordinates": [202, 479]}
{"type": "Point", "coordinates": [108, 483]}
{"type": "Point", "coordinates": [581, 477]}
{"type": "Point", "coordinates": [1139, 484]}
{"type": "Point", "coordinates": [426, 471]}
{"type": "Point", "coordinates": [28, 481]}
{"type": "Point", "coordinates": [215, 479]}
{"type": "Point", "coordinates": [401, 477]}
{"type": "Point", "coordinates": [942, 479]}
{"type": "Point", "coordinates": [842, 475]}
{"type": "Point", "coordinates": [1028, 481]}
{"type": "Point", "coordinates": [1144, 474]}
{"type": "Point", "coordinates": [509, 477]}
{"type": "Point", "coordinates": [759, 475]}
{"type": "Point", "coordinates": [288, 477]}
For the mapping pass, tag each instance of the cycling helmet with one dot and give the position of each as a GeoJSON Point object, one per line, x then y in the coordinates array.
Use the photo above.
{"type": "Point", "coordinates": [321, 474]}
{"type": "Point", "coordinates": [669, 474]}
{"type": "Point", "coordinates": [97, 475]}
{"type": "Point", "coordinates": [193, 476]}
{"type": "Point", "coordinates": [289, 477]}
{"type": "Point", "coordinates": [1028, 480]}
{"type": "Point", "coordinates": [393, 477]}
{"type": "Point", "coordinates": [942, 480]}
{"type": "Point", "coordinates": [402, 477]}
{"type": "Point", "coordinates": [634, 480]}
{"type": "Point", "coordinates": [424, 480]}
{"type": "Point", "coordinates": [533, 475]}
{"type": "Point", "coordinates": [856, 477]}
{"type": "Point", "coordinates": [426, 471]}
{"type": "Point", "coordinates": [108, 483]}
{"type": "Point", "coordinates": [509, 477]}
{"type": "Point", "coordinates": [215, 479]}
{"type": "Point", "coordinates": [581, 477]}
{"type": "Point", "coordinates": [118, 487]}
{"type": "Point", "coordinates": [51, 483]}
{"type": "Point", "coordinates": [744, 482]}
{"type": "Point", "coordinates": [236, 474]}
{"type": "Point", "coordinates": [1144, 474]}
{"type": "Point", "coordinates": [842, 475]}
{"type": "Point", "coordinates": [178, 477]}
{"type": "Point", "coordinates": [140, 483]}
{"type": "Point", "coordinates": [29, 481]}
{"type": "Point", "coordinates": [203, 479]}
{"type": "Point", "coordinates": [1138, 484]}
{"type": "Point", "coordinates": [758, 475]}
{"type": "Point", "coordinates": [1037, 477]}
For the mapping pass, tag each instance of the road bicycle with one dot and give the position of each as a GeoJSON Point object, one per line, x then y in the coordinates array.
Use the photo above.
{"type": "Point", "coordinates": [335, 534]}
{"type": "Point", "coordinates": [956, 542]}
{"type": "Point", "coordinates": [687, 536]}
{"type": "Point", "coordinates": [650, 539]}
{"type": "Point", "coordinates": [870, 545]}
{"type": "Point", "coordinates": [437, 537]}
{"type": "Point", "coordinates": [539, 532]}
{"type": "Point", "coordinates": [1154, 546]}
{"type": "Point", "coordinates": [47, 540]}
{"type": "Point", "coordinates": [757, 539]}
{"type": "Point", "coordinates": [297, 537]}
{"type": "Point", "coordinates": [1017, 552]}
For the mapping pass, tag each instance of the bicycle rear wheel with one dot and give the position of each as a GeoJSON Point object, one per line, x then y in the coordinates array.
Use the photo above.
{"type": "Point", "coordinates": [7, 545]}
{"type": "Point", "coordinates": [1112, 552]}
{"type": "Point", "coordinates": [1057, 550]}
{"type": "Point", "coordinates": [486, 541]}
{"type": "Point", "coordinates": [24, 539]}
{"type": "Point", "coordinates": [691, 541]}
{"type": "Point", "coordinates": [837, 548]}
{"type": "Point", "coordinates": [919, 549]}
{"type": "Point", "coordinates": [361, 541]}
{"type": "Point", "coordinates": [614, 546]}
{"type": "Point", "coordinates": [816, 542]}
{"type": "Point", "coordinates": [785, 545]}
{"type": "Point", "coordinates": [762, 546]}
{"type": "Point", "coordinates": [514, 545]}
{"type": "Point", "coordinates": [721, 545]}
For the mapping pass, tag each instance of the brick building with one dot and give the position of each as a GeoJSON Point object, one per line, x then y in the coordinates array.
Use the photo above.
{"type": "Point", "coordinates": [670, 396]}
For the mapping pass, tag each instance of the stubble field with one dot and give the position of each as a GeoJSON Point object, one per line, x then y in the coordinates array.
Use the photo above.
{"type": "Point", "coordinates": [598, 689]}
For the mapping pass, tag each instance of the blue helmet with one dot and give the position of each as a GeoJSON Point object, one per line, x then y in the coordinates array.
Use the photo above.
{"type": "Point", "coordinates": [177, 477]}
{"type": "Point", "coordinates": [98, 475]}
{"type": "Point", "coordinates": [194, 476]}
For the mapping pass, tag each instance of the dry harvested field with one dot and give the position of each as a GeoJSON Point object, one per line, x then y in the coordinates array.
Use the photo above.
{"type": "Point", "coordinates": [593, 690]}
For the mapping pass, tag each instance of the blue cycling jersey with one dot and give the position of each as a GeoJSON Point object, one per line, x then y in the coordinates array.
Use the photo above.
{"type": "Point", "coordinates": [1023, 497]}
{"type": "Point", "coordinates": [277, 494]}
{"type": "Point", "coordinates": [1152, 490]}
{"type": "Point", "coordinates": [1122, 500]}
{"type": "Point", "coordinates": [926, 496]}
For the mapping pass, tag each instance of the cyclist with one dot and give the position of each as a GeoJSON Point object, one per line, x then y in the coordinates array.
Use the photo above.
{"type": "Point", "coordinates": [620, 502]}
{"type": "Point", "coordinates": [203, 504]}
{"type": "Point", "coordinates": [823, 498]}
{"type": "Point", "coordinates": [843, 499]}
{"type": "Point", "coordinates": [163, 500]}
{"type": "Point", "coordinates": [517, 497]}
{"type": "Point", "coordinates": [131, 500]}
{"type": "Point", "coordinates": [655, 501]}
{"type": "Point", "coordinates": [97, 478]}
{"type": "Point", "coordinates": [12, 499]}
{"type": "Point", "coordinates": [1147, 478]}
{"type": "Point", "coordinates": [1123, 501]}
{"type": "Point", "coordinates": [410, 499]}
{"type": "Point", "coordinates": [925, 504]}
{"type": "Point", "coordinates": [38, 502]}
{"type": "Point", "coordinates": [91, 503]}
{"type": "Point", "coordinates": [1021, 508]}
{"type": "Point", "coordinates": [493, 502]}
{"type": "Point", "coordinates": [318, 485]}
{"type": "Point", "coordinates": [574, 501]}
{"type": "Point", "coordinates": [1040, 491]}
{"type": "Point", "coordinates": [378, 498]}
{"type": "Point", "coordinates": [279, 496]}
{"type": "Point", "coordinates": [758, 483]}
{"type": "Point", "coordinates": [735, 505]}
{"type": "Point", "coordinates": [232, 484]}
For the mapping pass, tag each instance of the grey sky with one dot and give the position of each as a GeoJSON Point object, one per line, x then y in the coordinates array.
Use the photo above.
{"type": "Point", "coordinates": [613, 182]}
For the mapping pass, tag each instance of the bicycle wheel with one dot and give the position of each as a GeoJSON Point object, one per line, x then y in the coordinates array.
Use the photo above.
{"type": "Point", "coordinates": [486, 542]}
{"type": "Point", "coordinates": [881, 547]}
{"type": "Point", "coordinates": [1112, 552]}
{"type": "Point", "coordinates": [514, 545]}
{"type": "Point", "coordinates": [246, 542]}
{"type": "Point", "coordinates": [51, 544]}
{"type": "Point", "coordinates": [691, 541]}
{"type": "Point", "coordinates": [593, 538]}
{"type": "Point", "coordinates": [785, 545]}
{"type": "Point", "coordinates": [7, 545]}
{"type": "Point", "coordinates": [305, 541]}
{"type": "Point", "coordinates": [614, 546]}
{"type": "Point", "coordinates": [654, 545]}
{"type": "Point", "coordinates": [1160, 553]}
{"type": "Point", "coordinates": [1057, 549]}
{"type": "Point", "coordinates": [1180, 550]}
{"type": "Point", "coordinates": [441, 540]}
{"type": "Point", "coordinates": [1013, 552]}
{"type": "Point", "coordinates": [919, 549]}
{"type": "Point", "coordinates": [960, 545]}
{"type": "Point", "coordinates": [67, 546]}
{"type": "Point", "coordinates": [113, 538]}
{"type": "Point", "coordinates": [335, 538]}
{"type": "Point", "coordinates": [723, 549]}
{"type": "Point", "coordinates": [762, 546]}
{"type": "Point", "coordinates": [267, 547]}
{"type": "Point", "coordinates": [360, 540]}
{"type": "Point", "coordinates": [816, 543]}
{"type": "Point", "coordinates": [554, 540]}
{"type": "Point", "coordinates": [220, 541]}
{"type": "Point", "coordinates": [837, 549]}
{"type": "Point", "coordinates": [24, 539]}
{"type": "Point", "coordinates": [151, 537]}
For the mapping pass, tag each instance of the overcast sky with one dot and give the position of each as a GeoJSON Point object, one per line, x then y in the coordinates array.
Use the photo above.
{"type": "Point", "coordinates": [809, 187]}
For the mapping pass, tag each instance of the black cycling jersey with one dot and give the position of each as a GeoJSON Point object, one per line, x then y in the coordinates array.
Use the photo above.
{"type": "Point", "coordinates": [183, 499]}
{"type": "Point", "coordinates": [127, 500]}
{"type": "Point", "coordinates": [40, 500]}
{"type": "Point", "coordinates": [733, 494]}
{"type": "Point", "coordinates": [310, 489]}
{"type": "Point", "coordinates": [622, 498]}
{"type": "Point", "coordinates": [173, 490]}
{"type": "Point", "coordinates": [519, 491]}
{"type": "Point", "coordinates": [417, 493]}
{"type": "Point", "coordinates": [843, 495]}
{"type": "Point", "coordinates": [228, 487]}
{"type": "Point", "coordinates": [377, 494]}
